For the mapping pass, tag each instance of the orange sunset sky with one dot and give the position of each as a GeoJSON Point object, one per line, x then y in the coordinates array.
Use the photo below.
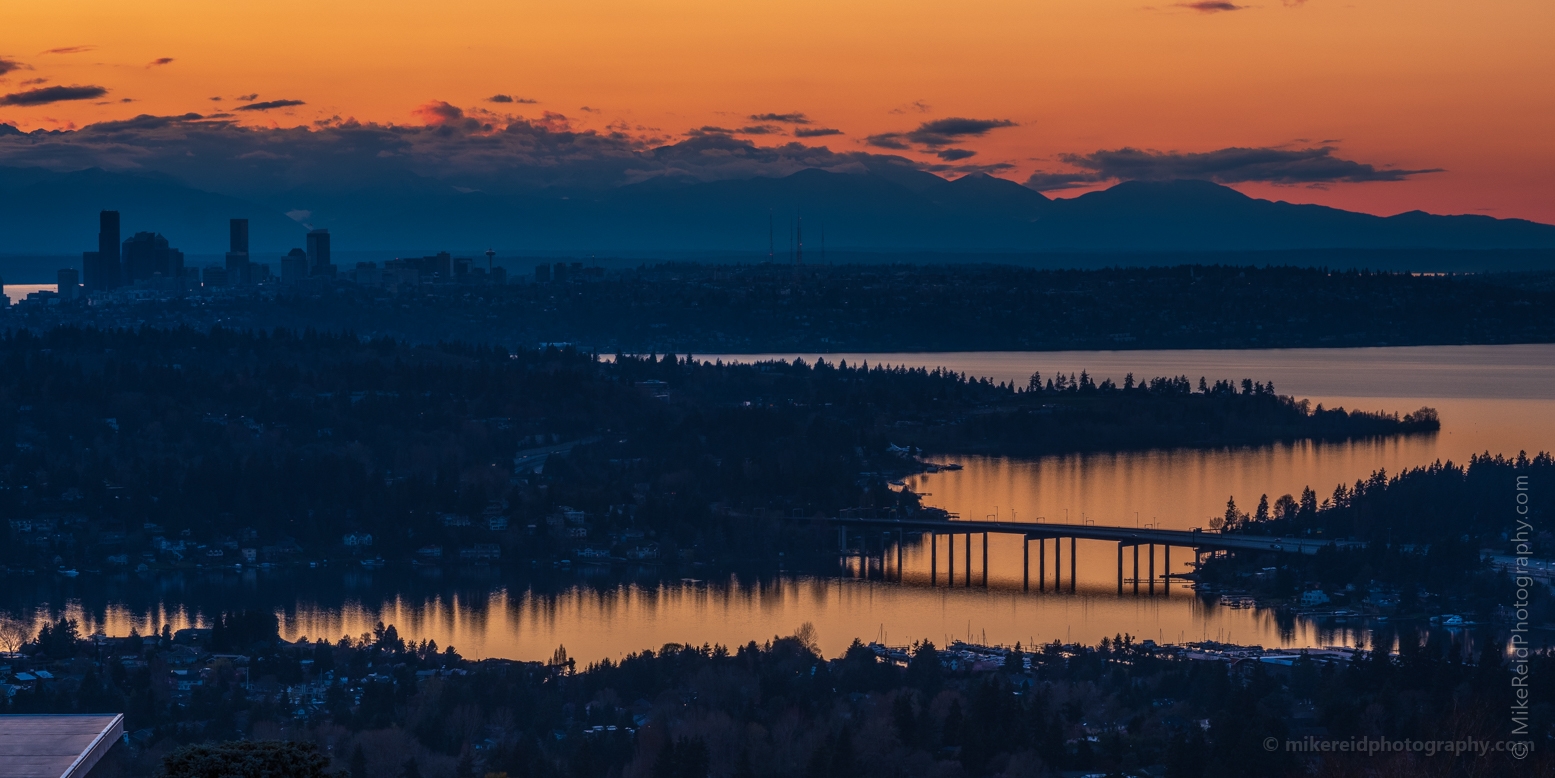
{"type": "Point", "coordinates": [1419, 84]}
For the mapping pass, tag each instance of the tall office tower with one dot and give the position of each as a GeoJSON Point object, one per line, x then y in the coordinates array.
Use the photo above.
{"type": "Point", "coordinates": [318, 254]}
{"type": "Point", "coordinates": [238, 269]}
{"type": "Point", "coordinates": [101, 267]}
{"type": "Point", "coordinates": [68, 285]}
{"type": "Point", "coordinates": [239, 235]}
{"type": "Point", "coordinates": [294, 267]}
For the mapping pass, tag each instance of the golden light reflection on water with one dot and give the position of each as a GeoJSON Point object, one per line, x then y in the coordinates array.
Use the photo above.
{"type": "Point", "coordinates": [594, 624]}
{"type": "Point", "coordinates": [1496, 399]}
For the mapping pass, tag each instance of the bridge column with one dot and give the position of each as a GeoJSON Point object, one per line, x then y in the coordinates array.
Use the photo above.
{"type": "Point", "coordinates": [1025, 563]}
{"type": "Point", "coordinates": [1041, 564]}
{"type": "Point", "coordinates": [968, 559]}
{"type": "Point", "coordinates": [1136, 569]}
{"type": "Point", "coordinates": [1073, 556]}
{"type": "Point", "coordinates": [1058, 563]}
{"type": "Point", "coordinates": [985, 559]}
{"type": "Point", "coordinates": [842, 539]}
{"type": "Point", "coordinates": [933, 557]}
{"type": "Point", "coordinates": [950, 558]}
{"type": "Point", "coordinates": [1166, 583]}
{"type": "Point", "coordinates": [1120, 568]}
{"type": "Point", "coordinates": [900, 537]}
{"type": "Point", "coordinates": [1152, 568]}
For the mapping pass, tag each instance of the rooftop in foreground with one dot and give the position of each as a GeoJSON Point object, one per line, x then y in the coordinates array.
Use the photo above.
{"type": "Point", "coordinates": [56, 746]}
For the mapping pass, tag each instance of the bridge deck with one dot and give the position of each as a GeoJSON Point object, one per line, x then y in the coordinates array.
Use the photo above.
{"type": "Point", "coordinates": [1126, 535]}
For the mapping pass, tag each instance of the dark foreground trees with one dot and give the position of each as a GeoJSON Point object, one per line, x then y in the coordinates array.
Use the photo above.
{"type": "Point", "coordinates": [247, 759]}
{"type": "Point", "coordinates": [779, 709]}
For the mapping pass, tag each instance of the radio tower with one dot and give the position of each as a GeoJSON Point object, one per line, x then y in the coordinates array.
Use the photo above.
{"type": "Point", "coordinates": [799, 255]}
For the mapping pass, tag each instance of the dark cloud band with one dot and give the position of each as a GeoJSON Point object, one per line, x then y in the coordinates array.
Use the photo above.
{"type": "Point", "coordinates": [1211, 6]}
{"type": "Point", "coordinates": [942, 131]}
{"type": "Point", "coordinates": [937, 133]}
{"type": "Point", "coordinates": [1226, 166]}
{"type": "Point", "coordinates": [785, 118]}
{"type": "Point", "coordinates": [269, 104]}
{"type": "Point", "coordinates": [52, 94]}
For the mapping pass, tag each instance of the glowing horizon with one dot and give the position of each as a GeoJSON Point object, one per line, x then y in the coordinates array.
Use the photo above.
{"type": "Point", "coordinates": [1397, 86]}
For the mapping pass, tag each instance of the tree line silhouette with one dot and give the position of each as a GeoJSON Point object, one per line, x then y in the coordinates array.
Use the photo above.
{"type": "Point", "coordinates": [780, 708]}
{"type": "Point", "coordinates": [286, 440]}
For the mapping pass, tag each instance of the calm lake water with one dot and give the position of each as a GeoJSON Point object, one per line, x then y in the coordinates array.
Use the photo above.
{"type": "Point", "coordinates": [17, 292]}
{"type": "Point", "coordinates": [1499, 399]}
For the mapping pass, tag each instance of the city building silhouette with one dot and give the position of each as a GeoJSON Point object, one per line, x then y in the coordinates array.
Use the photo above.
{"type": "Point", "coordinates": [101, 267]}
{"type": "Point", "coordinates": [319, 263]}
{"type": "Point", "coordinates": [237, 266]}
{"type": "Point", "coordinates": [147, 255]}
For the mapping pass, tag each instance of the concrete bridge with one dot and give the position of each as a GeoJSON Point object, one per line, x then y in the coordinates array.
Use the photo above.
{"type": "Point", "coordinates": [1126, 537]}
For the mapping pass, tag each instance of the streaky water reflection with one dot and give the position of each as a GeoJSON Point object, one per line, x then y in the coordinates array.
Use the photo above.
{"type": "Point", "coordinates": [1491, 398]}
{"type": "Point", "coordinates": [609, 619]}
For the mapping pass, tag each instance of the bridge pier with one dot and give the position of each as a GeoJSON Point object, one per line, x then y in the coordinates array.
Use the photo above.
{"type": "Point", "coordinates": [985, 560]}
{"type": "Point", "coordinates": [1041, 564]}
{"type": "Point", "coordinates": [1025, 562]}
{"type": "Point", "coordinates": [1073, 556]}
{"type": "Point", "coordinates": [933, 557]}
{"type": "Point", "coordinates": [968, 559]}
{"type": "Point", "coordinates": [901, 537]}
{"type": "Point", "coordinates": [1136, 568]}
{"type": "Point", "coordinates": [1058, 564]}
{"type": "Point", "coordinates": [950, 558]}
{"type": "Point", "coordinates": [1166, 583]}
{"type": "Point", "coordinates": [1120, 568]}
{"type": "Point", "coordinates": [1152, 568]}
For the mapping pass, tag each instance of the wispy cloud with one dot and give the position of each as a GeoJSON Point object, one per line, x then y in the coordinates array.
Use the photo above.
{"type": "Point", "coordinates": [510, 99]}
{"type": "Point", "coordinates": [815, 132]}
{"type": "Point", "coordinates": [942, 131]}
{"type": "Point", "coordinates": [69, 50]}
{"type": "Point", "coordinates": [1211, 6]}
{"type": "Point", "coordinates": [936, 133]}
{"type": "Point", "coordinates": [8, 65]}
{"type": "Point", "coordinates": [1313, 166]}
{"type": "Point", "coordinates": [268, 105]}
{"type": "Point", "coordinates": [895, 141]}
{"type": "Point", "coordinates": [52, 94]}
{"type": "Point", "coordinates": [159, 61]}
{"type": "Point", "coordinates": [916, 106]}
{"type": "Point", "coordinates": [785, 118]}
